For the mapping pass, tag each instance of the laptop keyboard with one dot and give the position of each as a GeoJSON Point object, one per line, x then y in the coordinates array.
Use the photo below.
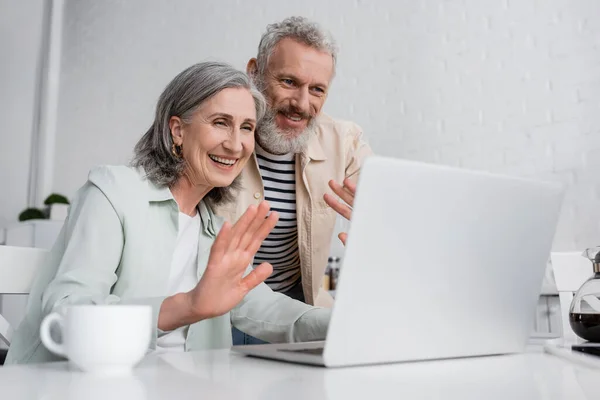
{"type": "Point", "coordinates": [317, 351]}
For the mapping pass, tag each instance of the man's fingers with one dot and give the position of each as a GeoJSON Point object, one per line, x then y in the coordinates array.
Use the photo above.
{"type": "Point", "coordinates": [350, 186]}
{"type": "Point", "coordinates": [343, 236]}
{"type": "Point", "coordinates": [341, 208]}
{"type": "Point", "coordinates": [343, 192]}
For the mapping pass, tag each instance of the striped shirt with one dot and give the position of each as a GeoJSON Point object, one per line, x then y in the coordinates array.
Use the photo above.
{"type": "Point", "coordinates": [280, 248]}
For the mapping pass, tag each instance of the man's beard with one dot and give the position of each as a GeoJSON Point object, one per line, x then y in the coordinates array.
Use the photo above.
{"type": "Point", "coordinates": [282, 141]}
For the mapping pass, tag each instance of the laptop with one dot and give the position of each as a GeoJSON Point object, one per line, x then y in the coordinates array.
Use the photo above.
{"type": "Point", "coordinates": [440, 262]}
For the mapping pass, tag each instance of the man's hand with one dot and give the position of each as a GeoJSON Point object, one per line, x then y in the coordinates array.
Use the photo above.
{"type": "Point", "coordinates": [346, 193]}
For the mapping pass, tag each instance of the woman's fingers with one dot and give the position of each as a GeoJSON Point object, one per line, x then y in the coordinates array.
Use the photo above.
{"type": "Point", "coordinates": [254, 226]}
{"type": "Point", "coordinates": [257, 276]}
{"type": "Point", "coordinates": [262, 232]}
{"type": "Point", "coordinates": [221, 244]}
{"type": "Point", "coordinates": [241, 226]}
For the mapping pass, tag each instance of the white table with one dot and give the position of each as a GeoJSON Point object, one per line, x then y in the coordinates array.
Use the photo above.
{"type": "Point", "coordinates": [212, 375]}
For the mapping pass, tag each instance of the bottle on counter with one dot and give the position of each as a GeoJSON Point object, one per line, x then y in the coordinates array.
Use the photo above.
{"type": "Point", "coordinates": [327, 276]}
{"type": "Point", "coordinates": [335, 272]}
{"type": "Point", "coordinates": [584, 313]}
{"type": "Point", "coordinates": [338, 264]}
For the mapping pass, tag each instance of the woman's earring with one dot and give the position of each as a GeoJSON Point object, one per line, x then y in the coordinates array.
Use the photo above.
{"type": "Point", "coordinates": [177, 151]}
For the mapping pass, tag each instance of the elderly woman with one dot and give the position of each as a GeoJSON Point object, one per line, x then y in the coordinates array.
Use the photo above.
{"type": "Point", "coordinates": [147, 234]}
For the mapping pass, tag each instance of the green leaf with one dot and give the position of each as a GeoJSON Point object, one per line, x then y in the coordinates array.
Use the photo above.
{"type": "Point", "coordinates": [56, 198]}
{"type": "Point", "coordinates": [31, 213]}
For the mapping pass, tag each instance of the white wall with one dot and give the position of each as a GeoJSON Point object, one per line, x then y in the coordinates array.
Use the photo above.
{"type": "Point", "coordinates": [20, 45]}
{"type": "Point", "coordinates": [506, 86]}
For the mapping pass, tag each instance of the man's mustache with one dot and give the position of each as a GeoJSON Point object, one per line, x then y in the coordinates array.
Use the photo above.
{"type": "Point", "coordinates": [294, 111]}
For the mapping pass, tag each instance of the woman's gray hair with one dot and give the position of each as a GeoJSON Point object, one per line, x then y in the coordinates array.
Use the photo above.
{"type": "Point", "coordinates": [181, 98]}
{"type": "Point", "coordinates": [300, 29]}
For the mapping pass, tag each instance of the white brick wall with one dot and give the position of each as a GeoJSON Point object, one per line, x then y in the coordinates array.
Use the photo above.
{"type": "Point", "coordinates": [508, 86]}
{"type": "Point", "coordinates": [515, 87]}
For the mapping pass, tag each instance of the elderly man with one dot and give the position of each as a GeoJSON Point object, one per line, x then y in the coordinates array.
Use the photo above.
{"type": "Point", "coordinates": [300, 156]}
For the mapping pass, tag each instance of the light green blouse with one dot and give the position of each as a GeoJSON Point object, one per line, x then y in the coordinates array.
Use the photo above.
{"type": "Point", "coordinates": [116, 247]}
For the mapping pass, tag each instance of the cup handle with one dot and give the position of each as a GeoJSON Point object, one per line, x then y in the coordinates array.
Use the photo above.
{"type": "Point", "coordinates": [56, 348]}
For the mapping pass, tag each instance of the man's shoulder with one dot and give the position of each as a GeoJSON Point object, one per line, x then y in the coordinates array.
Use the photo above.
{"type": "Point", "coordinates": [338, 135]}
{"type": "Point", "coordinates": [327, 125]}
{"type": "Point", "coordinates": [340, 139]}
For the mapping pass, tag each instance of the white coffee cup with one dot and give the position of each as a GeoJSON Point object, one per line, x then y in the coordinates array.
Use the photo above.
{"type": "Point", "coordinates": [101, 338]}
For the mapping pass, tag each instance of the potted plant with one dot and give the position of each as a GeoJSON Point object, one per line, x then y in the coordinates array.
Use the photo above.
{"type": "Point", "coordinates": [56, 207]}
{"type": "Point", "coordinates": [31, 213]}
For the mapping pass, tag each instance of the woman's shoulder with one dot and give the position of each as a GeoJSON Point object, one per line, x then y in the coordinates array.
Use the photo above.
{"type": "Point", "coordinates": [115, 175]}
{"type": "Point", "coordinates": [119, 182]}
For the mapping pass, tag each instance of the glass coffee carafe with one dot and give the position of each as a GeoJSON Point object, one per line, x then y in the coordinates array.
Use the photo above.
{"type": "Point", "coordinates": [584, 314]}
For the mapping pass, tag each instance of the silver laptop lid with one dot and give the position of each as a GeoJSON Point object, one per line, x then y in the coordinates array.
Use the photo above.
{"type": "Point", "coordinates": [440, 262]}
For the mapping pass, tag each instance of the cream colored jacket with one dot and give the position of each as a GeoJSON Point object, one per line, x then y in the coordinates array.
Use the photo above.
{"type": "Point", "coordinates": [337, 151]}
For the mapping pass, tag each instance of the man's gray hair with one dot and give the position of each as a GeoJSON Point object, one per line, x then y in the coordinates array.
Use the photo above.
{"type": "Point", "coordinates": [300, 29]}
{"type": "Point", "coordinates": [181, 98]}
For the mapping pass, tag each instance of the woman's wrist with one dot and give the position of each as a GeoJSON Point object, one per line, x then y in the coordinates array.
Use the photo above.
{"type": "Point", "coordinates": [177, 311]}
